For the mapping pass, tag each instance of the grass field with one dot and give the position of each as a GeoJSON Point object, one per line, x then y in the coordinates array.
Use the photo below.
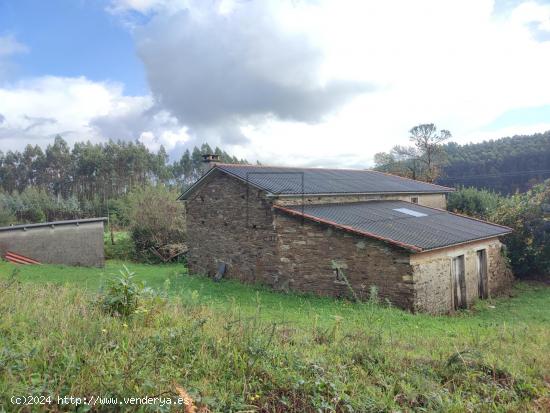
{"type": "Point", "coordinates": [244, 348]}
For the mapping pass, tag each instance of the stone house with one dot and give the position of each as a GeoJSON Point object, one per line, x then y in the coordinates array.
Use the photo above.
{"type": "Point", "coordinates": [323, 231]}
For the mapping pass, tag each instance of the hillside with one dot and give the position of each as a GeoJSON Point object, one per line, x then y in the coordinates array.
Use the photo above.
{"type": "Point", "coordinates": [504, 165]}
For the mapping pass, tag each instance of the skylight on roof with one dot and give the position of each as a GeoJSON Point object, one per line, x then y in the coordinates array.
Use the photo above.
{"type": "Point", "coordinates": [410, 212]}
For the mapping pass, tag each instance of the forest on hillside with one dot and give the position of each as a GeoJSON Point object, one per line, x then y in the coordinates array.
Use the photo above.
{"type": "Point", "coordinates": [504, 165]}
{"type": "Point", "coordinates": [61, 182]}
{"type": "Point", "coordinates": [87, 179]}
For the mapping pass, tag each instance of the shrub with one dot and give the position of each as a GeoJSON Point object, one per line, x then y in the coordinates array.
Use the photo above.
{"type": "Point", "coordinates": [157, 224]}
{"type": "Point", "coordinates": [36, 205]}
{"type": "Point", "coordinates": [528, 246]}
{"type": "Point", "coordinates": [122, 249]}
{"type": "Point", "coordinates": [475, 202]}
{"type": "Point", "coordinates": [6, 215]}
{"type": "Point", "coordinates": [124, 294]}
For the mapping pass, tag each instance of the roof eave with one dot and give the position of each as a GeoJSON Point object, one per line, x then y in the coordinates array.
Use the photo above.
{"type": "Point", "coordinates": [54, 223]}
{"type": "Point", "coordinates": [466, 242]}
{"type": "Point", "coordinates": [360, 193]}
{"type": "Point", "coordinates": [185, 195]}
{"type": "Point", "coordinates": [412, 248]}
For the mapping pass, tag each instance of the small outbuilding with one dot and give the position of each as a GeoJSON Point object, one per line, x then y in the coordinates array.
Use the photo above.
{"type": "Point", "coordinates": [73, 242]}
{"type": "Point", "coordinates": [330, 231]}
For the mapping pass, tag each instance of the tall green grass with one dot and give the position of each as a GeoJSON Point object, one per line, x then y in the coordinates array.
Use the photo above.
{"type": "Point", "coordinates": [242, 348]}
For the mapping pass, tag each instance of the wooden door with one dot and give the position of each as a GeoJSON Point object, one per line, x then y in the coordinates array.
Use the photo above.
{"type": "Point", "coordinates": [482, 273]}
{"type": "Point", "coordinates": [459, 282]}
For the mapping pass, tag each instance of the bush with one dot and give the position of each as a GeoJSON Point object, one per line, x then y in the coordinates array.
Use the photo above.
{"type": "Point", "coordinates": [122, 249]}
{"type": "Point", "coordinates": [528, 214]}
{"type": "Point", "coordinates": [529, 245]}
{"type": "Point", "coordinates": [157, 224]}
{"type": "Point", "coordinates": [6, 215]}
{"type": "Point", "coordinates": [124, 295]}
{"type": "Point", "coordinates": [475, 202]}
{"type": "Point", "coordinates": [36, 205]}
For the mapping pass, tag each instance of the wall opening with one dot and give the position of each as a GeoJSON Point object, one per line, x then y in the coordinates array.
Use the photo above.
{"type": "Point", "coordinates": [482, 273]}
{"type": "Point", "coordinates": [458, 282]}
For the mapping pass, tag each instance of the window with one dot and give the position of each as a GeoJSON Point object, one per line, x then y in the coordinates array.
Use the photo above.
{"type": "Point", "coordinates": [338, 276]}
{"type": "Point", "coordinates": [410, 212]}
{"type": "Point", "coordinates": [414, 200]}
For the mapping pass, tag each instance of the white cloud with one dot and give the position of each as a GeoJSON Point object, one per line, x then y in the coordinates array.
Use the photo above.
{"type": "Point", "coordinates": [237, 65]}
{"type": "Point", "coordinates": [533, 12]}
{"type": "Point", "coordinates": [145, 6]}
{"type": "Point", "coordinates": [9, 46]}
{"type": "Point", "coordinates": [35, 110]}
{"type": "Point", "coordinates": [457, 64]}
{"type": "Point", "coordinates": [256, 76]}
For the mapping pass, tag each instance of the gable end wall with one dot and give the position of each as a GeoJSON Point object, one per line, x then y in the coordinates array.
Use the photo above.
{"type": "Point", "coordinates": [218, 230]}
{"type": "Point", "coordinates": [433, 276]}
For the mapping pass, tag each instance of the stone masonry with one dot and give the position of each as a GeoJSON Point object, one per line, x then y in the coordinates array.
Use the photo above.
{"type": "Point", "coordinates": [226, 223]}
{"type": "Point", "coordinates": [432, 274]}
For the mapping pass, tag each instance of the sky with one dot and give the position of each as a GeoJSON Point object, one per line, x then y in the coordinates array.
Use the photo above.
{"type": "Point", "coordinates": [290, 82]}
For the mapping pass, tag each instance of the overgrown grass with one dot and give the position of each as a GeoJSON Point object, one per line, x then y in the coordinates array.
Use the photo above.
{"type": "Point", "coordinates": [236, 348]}
{"type": "Point", "coordinates": [122, 249]}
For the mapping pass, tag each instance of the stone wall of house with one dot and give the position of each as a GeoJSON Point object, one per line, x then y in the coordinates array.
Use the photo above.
{"type": "Point", "coordinates": [224, 225]}
{"type": "Point", "coordinates": [308, 250]}
{"type": "Point", "coordinates": [500, 273]}
{"type": "Point", "coordinates": [429, 200]}
{"type": "Point", "coordinates": [278, 250]}
{"type": "Point", "coordinates": [433, 277]}
{"type": "Point", "coordinates": [68, 244]}
{"type": "Point", "coordinates": [263, 245]}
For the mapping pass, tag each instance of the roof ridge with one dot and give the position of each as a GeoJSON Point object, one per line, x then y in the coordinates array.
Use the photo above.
{"type": "Point", "coordinates": [337, 169]}
{"type": "Point", "coordinates": [472, 218]}
{"type": "Point", "coordinates": [298, 167]}
{"type": "Point", "coordinates": [410, 179]}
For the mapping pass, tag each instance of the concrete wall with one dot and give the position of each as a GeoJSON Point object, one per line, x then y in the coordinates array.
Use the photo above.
{"type": "Point", "coordinates": [429, 200]}
{"type": "Point", "coordinates": [433, 279]}
{"type": "Point", "coordinates": [63, 244]}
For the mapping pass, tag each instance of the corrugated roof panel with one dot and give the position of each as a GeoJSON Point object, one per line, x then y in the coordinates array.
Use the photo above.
{"type": "Point", "coordinates": [281, 180]}
{"type": "Point", "coordinates": [433, 228]}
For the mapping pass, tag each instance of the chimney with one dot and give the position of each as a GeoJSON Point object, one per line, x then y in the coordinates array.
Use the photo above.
{"type": "Point", "coordinates": [210, 159]}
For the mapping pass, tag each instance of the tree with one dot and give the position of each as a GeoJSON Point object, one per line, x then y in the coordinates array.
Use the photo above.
{"type": "Point", "coordinates": [423, 160]}
{"type": "Point", "coordinates": [157, 223]}
{"type": "Point", "coordinates": [429, 149]}
{"type": "Point", "coordinates": [505, 165]}
{"type": "Point", "coordinates": [83, 181]}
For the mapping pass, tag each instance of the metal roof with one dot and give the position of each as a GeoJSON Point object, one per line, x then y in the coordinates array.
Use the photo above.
{"type": "Point", "coordinates": [408, 225]}
{"type": "Point", "coordinates": [52, 224]}
{"type": "Point", "coordinates": [316, 181]}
